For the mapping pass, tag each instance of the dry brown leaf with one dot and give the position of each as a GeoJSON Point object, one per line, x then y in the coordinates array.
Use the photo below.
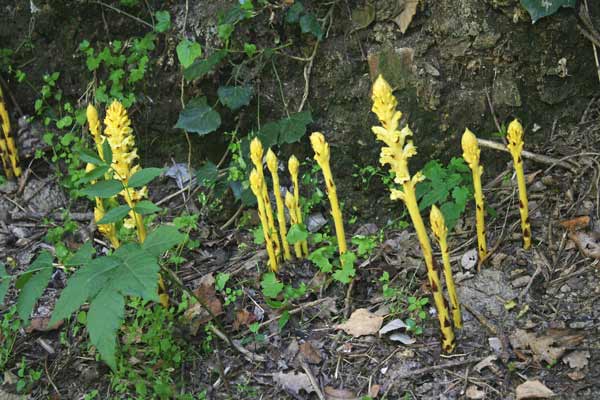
{"type": "Point", "coordinates": [577, 359]}
{"type": "Point", "coordinates": [576, 223]}
{"type": "Point", "coordinates": [294, 382]}
{"type": "Point", "coordinates": [548, 347]}
{"type": "Point", "coordinates": [533, 390]}
{"type": "Point", "coordinates": [40, 324]}
{"type": "Point", "coordinates": [404, 19]}
{"type": "Point", "coordinates": [243, 318]}
{"type": "Point", "coordinates": [588, 243]}
{"type": "Point", "coordinates": [311, 355]}
{"type": "Point", "coordinates": [362, 322]}
{"type": "Point", "coordinates": [485, 363]}
{"type": "Point", "coordinates": [195, 313]}
{"type": "Point", "coordinates": [474, 393]}
{"type": "Point", "coordinates": [374, 391]}
{"type": "Point", "coordinates": [332, 393]}
{"type": "Point", "coordinates": [576, 375]}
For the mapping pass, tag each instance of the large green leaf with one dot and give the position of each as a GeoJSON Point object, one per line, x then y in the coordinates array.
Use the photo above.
{"type": "Point", "coordinates": [144, 176]}
{"type": "Point", "coordinates": [94, 174]}
{"type": "Point", "coordinates": [114, 215]}
{"type": "Point", "coordinates": [146, 207]}
{"type": "Point", "coordinates": [90, 157]}
{"type": "Point", "coordinates": [162, 239]}
{"type": "Point", "coordinates": [103, 189]}
{"type": "Point", "coordinates": [202, 67]}
{"type": "Point", "coordinates": [104, 318]}
{"type": "Point", "coordinates": [163, 21]}
{"type": "Point", "coordinates": [542, 8]}
{"type": "Point", "coordinates": [138, 273]}
{"type": "Point", "coordinates": [82, 256]}
{"type": "Point", "coordinates": [188, 51]}
{"type": "Point", "coordinates": [41, 271]}
{"type": "Point", "coordinates": [198, 117]}
{"type": "Point", "coordinates": [4, 283]}
{"type": "Point", "coordinates": [286, 130]}
{"type": "Point", "coordinates": [235, 97]}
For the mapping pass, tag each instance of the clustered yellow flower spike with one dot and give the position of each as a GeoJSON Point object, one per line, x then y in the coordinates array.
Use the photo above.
{"type": "Point", "coordinates": [8, 148]}
{"type": "Point", "coordinates": [515, 146]}
{"type": "Point", "coordinates": [321, 149]}
{"type": "Point", "coordinates": [272, 164]}
{"type": "Point", "coordinates": [396, 154]}
{"type": "Point", "coordinates": [290, 203]}
{"type": "Point", "coordinates": [256, 154]}
{"type": "Point", "coordinates": [257, 184]}
{"type": "Point", "coordinates": [438, 226]}
{"type": "Point", "coordinates": [119, 134]}
{"type": "Point", "coordinates": [471, 155]}
{"type": "Point", "coordinates": [294, 167]}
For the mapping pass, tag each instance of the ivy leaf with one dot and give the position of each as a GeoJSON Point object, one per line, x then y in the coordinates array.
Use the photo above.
{"type": "Point", "coordinates": [294, 12]}
{"type": "Point", "coordinates": [347, 271]}
{"type": "Point", "coordinates": [294, 127]}
{"type": "Point", "coordinates": [309, 24]}
{"type": "Point", "coordinates": [40, 273]}
{"type": "Point", "coordinates": [271, 287]}
{"type": "Point", "coordinates": [188, 51]}
{"type": "Point", "coordinates": [4, 283]}
{"type": "Point", "coordinates": [297, 233]}
{"type": "Point", "coordinates": [103, 189]}
{"type": "Point", "coordinates": [114, 215]}
{"type": "Point", "coordinates": [235, 97]}
{"type": "Point", "coordinates": [198, 117]}
{"type": "Point", "coordinates": [104, 318]}
{"type": "Point", "coordinates": [163, 21]}
{"type": "Point", "coordinates": [199, 68]}
{"type": "Point", "coordinates": [146, 207]}
{"type": "Point", "coordinates": [143, 177]}
{"type": "Point", "coordinates": [138, 272]}
{"type": "Point", "coordinates": [162, 239]}
{"type": "Point", "coordinates": [542, 8]}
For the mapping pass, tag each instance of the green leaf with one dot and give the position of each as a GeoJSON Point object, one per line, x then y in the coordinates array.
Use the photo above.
{"type": "Point", "coordinates": [271, 287]}
{"type": "Point", "coordinates": [542, 8]}
{"type": "Point", "coordinates": [235, 97]}
{"type": "Point", "coordinates": [347, 271]}
{"type": "Point", "coordinates": [82, 256]}
{"type": "Point", "coordinates": [309, 24]}
{"type": "Point", "coordinates": [162, 239]}
{"type": "Point", "coordinates": [321, 258]}
{"type": "Point", "coordinates": [90, 157]}
{"type": "Point", "coordinates": [297, 233]}
{"type": "Point", "coordinates": [188, 51]}
{"type": "Point", "coordinates": [286, 130]}
{"type": "Point", "coordinates": [138, 273]}
{"type": "Point", "coordinates": [94, 174]}
{"type": "Point", "coordinates": [146, 207]}
{"type": "Point", "coordinates": [4, 283]}
{"type": "Point", "coordinates": [114, 215]}
{"type": "Point", "coordinates": [202, 67]}
{"type": "Point", "coordinates": [103, 321]}
{"type": "Point", "coordinates": [199, 117]}
{"type": "Point", "coordinates": [249, 49]}
{"type": "Point", "coordinates": [143, 177]}
{"type": "Point", "coordinates": [163, 21]}
{"type": "Point", "coordinates": [103, 189]}
{"type": "Point", "coordinates": [207, 175]}
{"type": "Point", "coordinates": [294, 12]}
{"type": "Point", "coordinates": [41, 271]}
{"type": "Point", "coordinates": [224, 31]}
{"type": "Point", "coordinates": [283, 320]}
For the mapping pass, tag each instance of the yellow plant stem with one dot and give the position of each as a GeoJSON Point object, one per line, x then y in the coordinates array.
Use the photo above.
{"type": "Point", "coordinates": [8, 148]}
{"type": "Point", "coordinates": [410, 200]}
{"type": "Point", "coordinates": [322, 154]}
{"type": "Point", "coordinates": [515, 146]}
{"type": "Point", "coordinates": [272, 164]}
{"type": "Point", "coordinates": [438, 226]}
{"type": "Point", "coordinates": [294, 167]}
{"type": "Point", "coordinates": [256, 184]}
{"type": "Point", "coordinates": [290, 203]}
{"type": "Point", "coordinates": [471, 154]}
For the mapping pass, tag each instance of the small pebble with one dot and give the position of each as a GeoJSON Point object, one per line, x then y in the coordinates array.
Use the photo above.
{"type": "Point", "coordinates": [521, 281]}
{"type": "Point", "coordinates": [565, 289]}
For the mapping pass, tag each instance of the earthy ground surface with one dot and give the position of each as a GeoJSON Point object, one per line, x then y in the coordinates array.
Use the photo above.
{"type": "Point", "coordinates": [528, 315]}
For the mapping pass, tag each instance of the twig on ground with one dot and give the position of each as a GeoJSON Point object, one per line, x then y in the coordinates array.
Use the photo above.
{"type": "Point", "coordinates": [232, 219]}
{"type": "Point", "coordinates": [311, 378]}
{"type": "Point", "coordinates": [294, 311]}
{"type": "Point", "coordinates": [348, 299]}
{"type": "Point", "coordinates": [141, 21]}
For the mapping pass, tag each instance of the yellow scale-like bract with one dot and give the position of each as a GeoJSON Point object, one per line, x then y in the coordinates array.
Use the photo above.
{"type": "Point", "coordinates": [272, 165]}
{"type": "Point", "coordinates": [8, 147]}
{"type": "Point", "coordinates": [397, 154]}
{"type": "Point", "coordinates": [515, 146]}
{"type": "Point", "coordinates": [294, 168]}
{"type": "Point", "coordinates": [257, 184]}
{"type": "Point", "coordinates": [290, 203]}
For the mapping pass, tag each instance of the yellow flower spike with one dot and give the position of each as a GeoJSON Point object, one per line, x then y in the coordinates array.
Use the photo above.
{"type": "Point", "coordinates": [94, 125]}
{"type": "Point", "coordinates": [8, 148]}
{"type": "Point", "coordinates": [438, 226]}
{"type": "Point", "coordinates": [515, 146]}
{"type": "Point", "coordinates": [294, 168]}
{"type": "Point", "coordinates": [256, 184]}
{"type": "Point", "coordinates": [272, 164]}
{"type": "Point", "coordinates": [321, 149]}
{"type": "Point", "coordinates": [396, 154]}
{"type": "Point", "coordinates": [290, 203]}
{"type": "Point", "coordinates": [256, 155]}
{"type": "Point", "coordinates": [471, 155]}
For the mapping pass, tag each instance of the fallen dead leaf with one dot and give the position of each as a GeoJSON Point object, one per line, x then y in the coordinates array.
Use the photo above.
{"type": "Point", "coordinates": [576, 223]}
{"type": "Point", "coordinates": [404, 19]}
{"type": "Point", "coordinates": [196, 314]}
{"type": "Point", "coordinates": [576, 375]}
{"type": "Point", "coordinates": [485, 363]}
{"type": "Point", "coordinates": [311, 355]}
{"type": "Point", "coordinates": [332, 393]}
{"type": "Point", "coordinates": [374, 391]}
{"type": "Point", "coordinates": [293, 382]}
{"type": "Point", "coordinates": [588, 243]}
{"type": "Point", "coordinates": [393, 325]}
{"type": "Point", "coordinates": [402, 338]}
{"type": "Point", "coordinates": [40, 324]}
{"type": "Point", "coordinates": [473, 392]}
{"type": "Point", "coordinates": [548, 347]}
{"type": "Point", "coordinates": [243, 318]}
{"type": "Point", "coordinates": [577, 359]}
{"type": "Point", "coordinates": [533, 390]}
{"type": "Point", "coordinates": [362, 322]}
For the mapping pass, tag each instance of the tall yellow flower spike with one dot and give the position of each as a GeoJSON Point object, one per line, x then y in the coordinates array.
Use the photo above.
{"type": "Point", "coordinates": [515, 146]}
{"type": "Point", "coordinates": [438, 226]}
{"type": "Point", "coordinates": [294, 168]}
{"type": "Point", "coordinates": [256, 154]}
{"type": "Point", "coordinates": [119, 134]}
{"type": "Point", "coordinates": [471, 155]}
{"type": "Point", "coordinates": [272, 165]}
{"type": "Point", "coordinates": [396, 154]}
{"type": "Point", "coordinates": [8, 148]}
{"type": "Point", "coordinates": [290, 203]}
{"type": "Point", "coordinates": [256, 184]}
{"type": "Point", "coordinates": [321, 149]}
